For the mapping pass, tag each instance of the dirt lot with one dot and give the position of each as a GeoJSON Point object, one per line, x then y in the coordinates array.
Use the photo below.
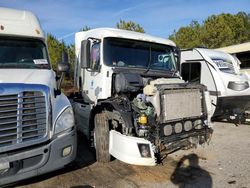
{"type": "Point", "coordinates": [225, 162]}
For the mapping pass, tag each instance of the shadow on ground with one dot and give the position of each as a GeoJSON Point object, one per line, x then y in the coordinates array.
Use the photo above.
{"type": "Point", "coordinates": [188, 173]}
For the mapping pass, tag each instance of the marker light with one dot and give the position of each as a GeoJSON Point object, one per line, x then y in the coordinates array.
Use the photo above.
{"type": "Point", "coordinates": [143, 119]}
{"type": "Point", "coordinates": [66, 151]}
{"type": "Point", "coordinates": [37, 31]}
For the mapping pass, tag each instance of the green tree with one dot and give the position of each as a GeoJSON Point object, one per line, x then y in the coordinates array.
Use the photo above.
{"type": "Point", "coordinates": [188, 37]}
{"type": "Point", "coordinates": [215, 31]}
{"type": "Point", "coordinates": [223, 30]}
{"type": "Point", "coordinates": [55, 48]}
{"type": "Point", "coordinates": [85, 28]}
{"type": "Point", "coordinates": [246, 22]}
{"type": "Point", "coordinates": [71, 53]}
{"type": "Point", "coordinates": [132, 26]}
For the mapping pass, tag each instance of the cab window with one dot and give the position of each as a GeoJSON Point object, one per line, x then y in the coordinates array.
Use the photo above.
{"type": "Point", "coordinates": [95, 56]}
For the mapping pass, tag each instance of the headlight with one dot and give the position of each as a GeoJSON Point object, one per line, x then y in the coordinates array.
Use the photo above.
{"type": "Point", "coordinates": [65, 120]}
{"type": "Point", "coordinates": [144, 150]}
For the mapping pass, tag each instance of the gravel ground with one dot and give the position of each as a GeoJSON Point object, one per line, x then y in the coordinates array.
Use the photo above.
{"type": "Point", "coordinates": [225, 162]}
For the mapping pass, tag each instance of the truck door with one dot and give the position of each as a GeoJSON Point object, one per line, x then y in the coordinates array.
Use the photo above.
{"type": "Point", "coordinates": [95, 80]}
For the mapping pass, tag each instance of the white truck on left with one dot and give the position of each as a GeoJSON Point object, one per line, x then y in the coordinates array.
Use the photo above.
{"type": "Point", "coordinates": [37, 129]}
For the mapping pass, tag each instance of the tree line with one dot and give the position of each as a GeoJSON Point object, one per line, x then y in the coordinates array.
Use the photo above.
{"type": "Point", "coordinates": [214, 32]}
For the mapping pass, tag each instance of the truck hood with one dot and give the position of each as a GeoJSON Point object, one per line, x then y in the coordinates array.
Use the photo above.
{"type": "Point", "coordinates": [28, 76]}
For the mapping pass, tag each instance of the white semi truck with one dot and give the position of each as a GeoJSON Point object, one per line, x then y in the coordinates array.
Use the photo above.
{"type": "Point", "coordinates": [131, 101]}
{"type": "Point", "coordinates": [220, 72]}
{"type": "Point", "coordinates": [37, 130]}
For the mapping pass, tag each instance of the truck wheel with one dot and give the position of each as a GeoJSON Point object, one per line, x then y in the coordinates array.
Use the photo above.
{"type": "Point", "coordinates": [102, 138]}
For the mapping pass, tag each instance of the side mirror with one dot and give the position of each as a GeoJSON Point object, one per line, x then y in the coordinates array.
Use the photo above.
{"type": "Point", "coordinates": [65, 57]}
{"type": "Point", "coordinates": [177, 54]}
{"type": "Point", "coordinates": [63, 67]}
{"type": "Point", "coordinates": [85, 54]}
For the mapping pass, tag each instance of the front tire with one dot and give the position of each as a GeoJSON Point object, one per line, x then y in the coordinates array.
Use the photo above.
{"type": "Point", "coordinates": [102, 138]}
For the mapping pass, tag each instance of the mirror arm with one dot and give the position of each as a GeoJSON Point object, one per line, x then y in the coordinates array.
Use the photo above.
{"type": "Point", "coordinates": [99, 68]}
{"type": "Point", "coordinates": [57, 77]}
{"type": "Point", "coordinates": [60, 81]}
{"type": "Point", "coordinates": [57, 92]}
{"type": "Point", "coordinates": [62, 68]}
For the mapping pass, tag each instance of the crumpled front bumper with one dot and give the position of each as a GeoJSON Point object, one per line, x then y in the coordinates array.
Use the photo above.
{"type": "Point", "coordinates": [139, 151]}
{"type": "Point", "coordinates": [129, 149]}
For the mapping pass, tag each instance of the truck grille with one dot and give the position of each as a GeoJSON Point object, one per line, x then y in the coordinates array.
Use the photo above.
{"type": "Point", "coordinates": [181, 103]}
{"type": "Point", "coordinates": [22, 118]}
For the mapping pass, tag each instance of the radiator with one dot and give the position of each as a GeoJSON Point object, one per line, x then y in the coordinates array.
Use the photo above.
{"type": "Point", "coordinates": [181, 103]}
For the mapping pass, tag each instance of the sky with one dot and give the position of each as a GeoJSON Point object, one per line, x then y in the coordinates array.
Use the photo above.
{"type": "Point", "coordinates": [63, 18]}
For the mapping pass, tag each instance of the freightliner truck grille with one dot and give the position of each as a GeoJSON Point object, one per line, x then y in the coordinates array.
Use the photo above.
{"type": "Point", "coordinates": [23, 117]}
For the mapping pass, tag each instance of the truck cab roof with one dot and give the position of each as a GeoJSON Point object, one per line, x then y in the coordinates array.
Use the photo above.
{"type": "Point", "coordinates": [101, 33]}
{"type": "Point", "coordinates": [19, 23]}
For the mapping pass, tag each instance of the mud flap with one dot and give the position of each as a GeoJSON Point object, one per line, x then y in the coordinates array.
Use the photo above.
{"type": "Point", "coordinates": [129, 149]}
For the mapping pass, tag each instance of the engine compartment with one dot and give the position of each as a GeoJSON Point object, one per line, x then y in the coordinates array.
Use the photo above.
{"type": "Point", "coordinates": [168, 112]}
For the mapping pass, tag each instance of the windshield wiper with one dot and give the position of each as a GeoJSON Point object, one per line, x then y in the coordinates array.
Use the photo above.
{"type": "Point", "coordinates": [149, 61]}
{"type": "Point", "coordinates": [175, 73]}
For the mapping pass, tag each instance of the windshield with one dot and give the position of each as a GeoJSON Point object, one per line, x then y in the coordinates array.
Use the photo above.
{"type": "Point", "coordinates": [225, 65]}
{"type": "Point", "coordinates": [138, 54]}
{"type": "Point", "coordinates": [19, 53]}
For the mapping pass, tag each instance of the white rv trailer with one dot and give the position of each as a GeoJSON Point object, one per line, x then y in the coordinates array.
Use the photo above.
{"type": "Point", "coordinates": [220, 72]}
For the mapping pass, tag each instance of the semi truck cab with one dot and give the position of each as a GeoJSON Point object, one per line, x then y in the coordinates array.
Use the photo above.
{"type": "Point", "coordinates": [37, 129]}
{"type": "Point", "coordinates": [132, 103]}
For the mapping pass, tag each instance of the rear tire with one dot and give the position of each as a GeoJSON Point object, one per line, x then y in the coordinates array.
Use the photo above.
{"type": "Point", "coordinates": [102, 138]}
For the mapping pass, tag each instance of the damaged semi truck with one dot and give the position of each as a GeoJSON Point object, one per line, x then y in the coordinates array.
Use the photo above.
{"type": "Point", "coordinates": [37, 130]}
{"type": "Point", "coordinates": [132, 103]}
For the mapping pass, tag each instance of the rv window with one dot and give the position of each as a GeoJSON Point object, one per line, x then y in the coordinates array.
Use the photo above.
{"type": "Point", "coordinates": [191, 72]}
